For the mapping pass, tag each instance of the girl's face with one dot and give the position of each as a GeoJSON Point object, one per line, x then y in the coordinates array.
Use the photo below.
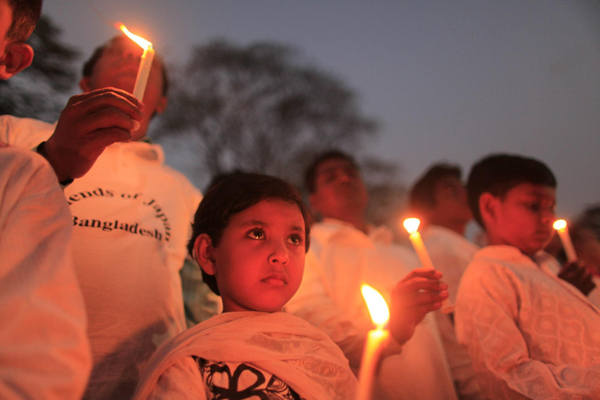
{"type": "Point", "coordinates": [259, 261]}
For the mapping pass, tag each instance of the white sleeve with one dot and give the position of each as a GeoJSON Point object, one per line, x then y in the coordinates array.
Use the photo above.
{"type": "Point", "coordinates": [45, 351]}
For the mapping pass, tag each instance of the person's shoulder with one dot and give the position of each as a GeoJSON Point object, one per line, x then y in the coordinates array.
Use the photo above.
{"type": "Point", "coordinates": [19, 161]}
{"type": "Point", "coordinates": [24, 132]}
{"type": "Point", "coordinates": [495, 266]}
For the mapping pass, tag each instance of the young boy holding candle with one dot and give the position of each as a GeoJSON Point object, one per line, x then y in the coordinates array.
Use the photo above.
{"type": "Point", "coordinates": [45, 352]}
{"type": "Point", "coordinates": [529, 333]}
{"type": "Point", "coordinates": [250, 236]}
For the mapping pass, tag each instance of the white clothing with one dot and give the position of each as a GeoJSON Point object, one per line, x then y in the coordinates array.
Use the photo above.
{"type": "Point", "coordinates": [451, 253]}
{"type": "Point", "coordinates": [329, 297]}
{"type": "Point", "coordinates": [284, 349]}
{"type": "Point", "coordinates": [529, 333]}
{"type": "Point", "coordinates": [44, 351]}
{"type": "Point", "coordinates": [131, 218]}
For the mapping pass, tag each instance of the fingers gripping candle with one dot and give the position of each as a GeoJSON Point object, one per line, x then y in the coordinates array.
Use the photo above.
{"type": "Point", "coordinates": [145, 63]}
{"type": "Point", "coordinates": [377, 340]}
{"type": "Point", "coordinates": [563, 231]}
{"type": "Point", "coordinates": [412, 227]}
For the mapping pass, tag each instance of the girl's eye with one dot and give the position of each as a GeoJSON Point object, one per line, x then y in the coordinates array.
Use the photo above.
{"type": "Point", "coordinates": [256, 234]}
{"type": "Point", "coordinates": [296, 240]}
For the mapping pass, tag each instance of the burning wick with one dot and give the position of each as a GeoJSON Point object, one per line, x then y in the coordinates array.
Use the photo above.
{"type": "Point", "coordinates": [145, 63]}
{"type": "Point", "coordinates": [377, 340]}
{"type": "Point", "coordinates": [412, 227]}
{"type": "Point", "coordinates": [561, 227]}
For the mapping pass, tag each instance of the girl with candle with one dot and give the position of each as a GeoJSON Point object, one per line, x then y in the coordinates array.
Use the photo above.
{"type": "Point", "coordinates": [250, 236]}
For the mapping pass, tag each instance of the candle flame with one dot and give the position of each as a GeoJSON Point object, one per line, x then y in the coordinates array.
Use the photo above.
{"type": "Point", "coordinates": [560, 224]}
{"type": "Point", "coordinates": [143, 43]}
{"type": "Point", "coordinates": [380, 313]}
{"type": "Point", "coordinates": [412, 224]}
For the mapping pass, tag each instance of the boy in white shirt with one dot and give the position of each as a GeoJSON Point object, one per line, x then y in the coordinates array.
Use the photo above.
{"type": "Point", "coordinates": [529, 333]}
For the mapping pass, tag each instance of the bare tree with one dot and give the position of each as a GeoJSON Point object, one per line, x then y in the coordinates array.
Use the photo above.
{"type": "Point", "coordinates": [259, 108]}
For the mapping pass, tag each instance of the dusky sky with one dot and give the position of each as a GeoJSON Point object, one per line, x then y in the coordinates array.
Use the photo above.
{"type": "Point", "coordinates": [447, 80]}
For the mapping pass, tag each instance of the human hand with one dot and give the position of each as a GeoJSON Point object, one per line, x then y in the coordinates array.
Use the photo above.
{"type": "Point", "coordinates": [420, 292]}
{"type": "Point", "coordinates": [88, 124]}
{"type": "Point", "coordinates": [577, 275]}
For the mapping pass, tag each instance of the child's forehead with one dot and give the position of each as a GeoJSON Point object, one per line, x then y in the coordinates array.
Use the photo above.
{"type": "Point", "coordinates": [269, 212]}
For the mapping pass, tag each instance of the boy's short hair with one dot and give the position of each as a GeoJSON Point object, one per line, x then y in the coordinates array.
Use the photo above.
{"type": "Point", "coordinates": [90, 64]}
{"type": "Point", "coordinates": [234, 194]}
{"type": "Point", "coordinates": [422, 194]}
{"type": "Point", "coordinates": [499, 173]}
{"type": "Point", "coordinates": [310, 176]}
{"type": "Point", "coordinates": [25, 15]}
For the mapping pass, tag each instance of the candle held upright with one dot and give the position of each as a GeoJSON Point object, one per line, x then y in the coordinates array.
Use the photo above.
{"type": "Point", "coordinates": [412, 227]}
{"type": "Point", "coordinates": [145, 63]}
{"type": "Point", "coordinates": [563, 232]}
{"type": "Point", "coordinates": [377, 340]}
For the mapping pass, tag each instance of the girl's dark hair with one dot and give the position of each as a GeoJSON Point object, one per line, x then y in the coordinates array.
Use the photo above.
{"type": "Point", "coordinates": [233, 194]}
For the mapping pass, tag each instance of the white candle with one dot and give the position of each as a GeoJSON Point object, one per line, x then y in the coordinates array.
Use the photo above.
{"type": "Point", "coordinates": [563, 231]}
{"type": "Point", "coordinates": [377, 340]}
{"type": "Point", "coordinates": [412, 226]}
{"type": "Point", "coordinates": [143, 73]}
{"type": "Point", "coordinates": [145, 63]}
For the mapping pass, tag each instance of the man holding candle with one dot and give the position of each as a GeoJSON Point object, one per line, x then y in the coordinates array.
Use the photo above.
{"type": "Point", "coordinates": [45, 351]}
{"type": "Point", "coordinates": [347, 252]}
{"type": "Point", "coordinates": [131, 214]}
{"type": "Point", "coordinates": [528, 333]}
{"type": "Point", "coordinates": [439, 199]}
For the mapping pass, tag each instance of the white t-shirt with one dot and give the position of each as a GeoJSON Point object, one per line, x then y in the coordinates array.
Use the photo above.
{"type": "Point", "coordinates": [131, 218]}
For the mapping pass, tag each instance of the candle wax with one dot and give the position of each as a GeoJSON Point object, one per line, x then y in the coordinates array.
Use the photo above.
{"type": "Point", "coordinates": [377, 340]}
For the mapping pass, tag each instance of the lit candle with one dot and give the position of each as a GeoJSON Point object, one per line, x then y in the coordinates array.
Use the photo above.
{"type": "Point", "coordinates": [145, 63]}
{"type": "Point", "coordinates": [412, 226]}
{"type": "Point", "coordinates": [377, 340]}
{"type": "Point", "coordinates": [561, 227]}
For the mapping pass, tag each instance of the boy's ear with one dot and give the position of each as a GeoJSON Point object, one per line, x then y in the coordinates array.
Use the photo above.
{"type": "Point", "coordinates": [488, 207]}
{"type": "Point", "coordinates": [204, 250]}
{"type": "Point", "coordinates": [17, 56]}
{"type": "Point", "coordinates": [162, 105]}
{"type": "Point", "coordinates": [84, 84]}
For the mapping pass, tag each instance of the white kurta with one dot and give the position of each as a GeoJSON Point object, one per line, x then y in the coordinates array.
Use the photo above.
{"type": "Point", "coordinates": [44, 350]}
{"type": "Point", "coordinates": [451, 253]}
{"type": "Point", "coordinates": [329, 297]}
{"type": "Point", "coordinates": [131, 217]}
{"type": "Point", "coordinates": [529, 333]}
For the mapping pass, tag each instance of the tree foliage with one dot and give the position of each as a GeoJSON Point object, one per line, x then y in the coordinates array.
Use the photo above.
{"type": "Point", "coordinates": [259, 108]}
{"type": "Point", "coordinates": [36, 91]}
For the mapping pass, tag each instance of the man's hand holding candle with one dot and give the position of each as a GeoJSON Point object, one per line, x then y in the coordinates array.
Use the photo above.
{"type": "Point", "coordinates": [88, 124]}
